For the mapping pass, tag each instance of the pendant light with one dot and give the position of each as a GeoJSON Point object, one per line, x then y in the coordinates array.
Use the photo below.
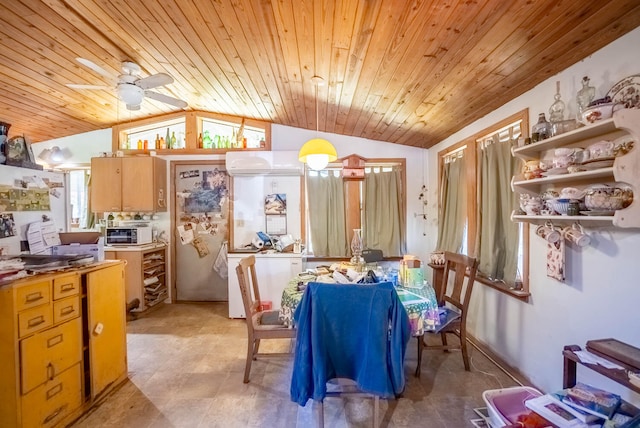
{"type": "Point", "coordinates": [317, 152]}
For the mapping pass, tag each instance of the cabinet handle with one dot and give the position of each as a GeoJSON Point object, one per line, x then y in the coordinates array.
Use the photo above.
{"type": "Point", "coordinates": [54, 391]}
{"type": "Point", "coordinates": [54, 414]}
{"type": "Point", "coordinates": [66, 311]}
{"type": "Point", "coordinates": [67, 287]}
{"type": "Point", "coordinates": [51, 371]}
{"type": "Point", "coordinates": [55, 340]}
{"type": "Point", "coordinates": [35, 321]}
{"type": "Point", "coordinates": [34, 297]}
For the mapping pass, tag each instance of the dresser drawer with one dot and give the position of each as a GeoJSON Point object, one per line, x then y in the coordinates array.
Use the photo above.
{"type": "Point", "coordinates": [36, 319]}
{"type": "Point", "coordinates": [46, 354]}
{"type": "Point", "coordinates": [66, 309]}
{"type": "Point", "coordinates": [51, 402]}
{"type": "Point", "coordinates": [33, 295]}
{"type": "Point", "coordinates": [66, 286]}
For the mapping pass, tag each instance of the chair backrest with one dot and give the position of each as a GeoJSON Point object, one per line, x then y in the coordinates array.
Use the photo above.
{"type": "Point", "coordinates": [246, 271]}
{"type": "Point", "coordinates": [457, 292]}
{"type": "Point", "coordinates": [343, 332]}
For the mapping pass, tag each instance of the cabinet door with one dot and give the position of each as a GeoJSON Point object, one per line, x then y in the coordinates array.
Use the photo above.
{"type": "Point", "coordinates": [137, 184]}
{"type": "Point", "coordinates": [132, 275]}
{"type": "Point", "coordinates": [106, 323]}
{"type": "Point", "coordinates": [106, 178]}
{"type": "Point", "coordinates": [160, 184]}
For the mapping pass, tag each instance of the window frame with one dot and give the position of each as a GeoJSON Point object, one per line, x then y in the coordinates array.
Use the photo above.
{"type": "Point", "coordinates": [353, 206]}
{"type": "Point", "coordinates": [471, 146]}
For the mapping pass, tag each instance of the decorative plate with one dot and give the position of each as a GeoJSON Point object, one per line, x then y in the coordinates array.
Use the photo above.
{"type": "Point", "coordinates": [626, 91]}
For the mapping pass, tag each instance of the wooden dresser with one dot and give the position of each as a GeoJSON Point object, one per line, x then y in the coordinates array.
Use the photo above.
{"type": "Point", "coordinates": [62, 344]}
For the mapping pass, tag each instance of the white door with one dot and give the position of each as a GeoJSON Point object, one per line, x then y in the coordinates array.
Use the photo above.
{"type": "Point", "coordinates": [202, 226]}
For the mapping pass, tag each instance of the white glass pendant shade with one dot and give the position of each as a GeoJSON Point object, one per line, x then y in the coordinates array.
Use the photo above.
{"type": "Point", "coordinates": [317, 153]}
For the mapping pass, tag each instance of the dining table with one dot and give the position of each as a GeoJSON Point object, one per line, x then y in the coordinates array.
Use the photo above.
{"type": "Point", "coordinates": [419, 302]}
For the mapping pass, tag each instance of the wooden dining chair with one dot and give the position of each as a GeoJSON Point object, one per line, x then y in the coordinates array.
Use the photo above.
{"type": "Point", "coordinates": [352, 337]}
{"type": "Point", "coordinates": [453, 300]}
{"type": "Point", "coordinates": [260, 324]}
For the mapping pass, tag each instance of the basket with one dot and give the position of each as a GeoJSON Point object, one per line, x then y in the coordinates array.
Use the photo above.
{"type": "Point", "coordinates": [506, 404]}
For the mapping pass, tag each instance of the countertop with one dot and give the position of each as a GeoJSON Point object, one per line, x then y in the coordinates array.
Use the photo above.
{"type": "Point", "coordinates": [134, 247]}
{"type": "Point", "coordinates": [231, 254]}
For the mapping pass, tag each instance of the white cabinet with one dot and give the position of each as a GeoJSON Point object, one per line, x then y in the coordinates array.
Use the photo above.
{"type": "Point", "coordinates": [625, 169]}
{"type": "Point", "coordinates": [273, 271]}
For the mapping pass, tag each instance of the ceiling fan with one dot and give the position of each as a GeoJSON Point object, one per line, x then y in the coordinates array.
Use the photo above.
{"type": "Point", "coordinates": [130, 87]}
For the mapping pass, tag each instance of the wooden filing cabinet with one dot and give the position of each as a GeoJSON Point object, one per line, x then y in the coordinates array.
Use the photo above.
{"type": "Point", "coordinates": [54, 359]}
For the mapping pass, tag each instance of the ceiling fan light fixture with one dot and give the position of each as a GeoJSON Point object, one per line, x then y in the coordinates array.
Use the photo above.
{"type": "Point", "coordinates": [317, 153]}
{"type": "Point", "coordinates": [131, 94]}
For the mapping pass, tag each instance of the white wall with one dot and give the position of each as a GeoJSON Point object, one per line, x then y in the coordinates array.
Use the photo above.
{"type": "Point", "coordinates": [600, 296]}
{"type": "Point", "coordinates": [82, 147]}
{"type": "Point", "coordinates": [289, 138]}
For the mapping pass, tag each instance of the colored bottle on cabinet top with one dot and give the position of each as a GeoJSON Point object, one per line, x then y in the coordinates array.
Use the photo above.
{"type": "Point", "coordinates": [167, 139]}
{"type": "Point", "coordinates": [206, 141]}
{"type": "Point", "coordinates": [174, 141]}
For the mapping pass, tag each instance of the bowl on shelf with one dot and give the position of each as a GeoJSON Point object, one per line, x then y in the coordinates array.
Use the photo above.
{"type": "Point", "coordinates": [559, 205]}
{"type": "Point", "coordinates": [607, 198]}
{"type": "Point", "coordinates": [599, 112]}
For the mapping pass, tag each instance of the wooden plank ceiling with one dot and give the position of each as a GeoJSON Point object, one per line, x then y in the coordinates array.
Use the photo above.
{"type": "Point", "coordinates": [408, 72]}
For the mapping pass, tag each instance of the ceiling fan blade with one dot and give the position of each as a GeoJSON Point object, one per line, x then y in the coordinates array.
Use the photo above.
{"type": "Point", "coordinates": [154, 81]}
{"type": "Point", "coordinates": [166, 99]}
{"type": "Point", "coordinates": [75, 86]}
{"type": "Point", "coordinates": [95, 67]}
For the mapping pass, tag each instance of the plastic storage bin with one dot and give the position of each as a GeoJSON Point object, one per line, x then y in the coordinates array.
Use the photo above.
{"type": "Point", "coordinates": [506, 404]}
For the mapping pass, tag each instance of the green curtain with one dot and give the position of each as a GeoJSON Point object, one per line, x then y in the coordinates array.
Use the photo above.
{"type": "Point", "coordinates": [497, 238]}
{"type": "Point", "coordinates": [453, 207]}
{"type": "Point", "coordinates": [384, 217]}
{"type": "Point", "coordinates": [327, 216]}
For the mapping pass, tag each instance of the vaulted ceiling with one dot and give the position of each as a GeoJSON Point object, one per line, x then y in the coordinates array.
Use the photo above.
{"type": "Point", "coordinates": [408, 72]}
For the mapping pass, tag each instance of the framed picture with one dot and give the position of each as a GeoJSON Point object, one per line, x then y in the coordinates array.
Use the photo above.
{"type": "Point", "coordinates": [16, 149]}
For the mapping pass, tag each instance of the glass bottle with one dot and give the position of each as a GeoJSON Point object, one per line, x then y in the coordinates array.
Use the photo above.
{"type": "Point", "coordinates": [167, 139]}
{"type": "Point", "coordinates": [200, 141]}
{"type": "Point", "coordinates": [174, 141]}
{"type": "Point", "coordinates": [206, 141]}
{"type": "Point", "coordinates": [556, 111]}
{"type": "Point", "coordinates": [139, 145]}
{"type": "Point", "coordinates": [541, 130]}
{"type": "Point", "coordinates": [157, 146]}
{"type": "Point", "coordinates": [356, 247]}
{"type": "Point", "coordinates": [163, 143]}
{"type": "Point", "coordinates": [585, 95]}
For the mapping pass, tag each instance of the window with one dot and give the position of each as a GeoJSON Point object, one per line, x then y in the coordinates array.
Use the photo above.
{"type": "Point", "coordinates": [475, 218]}
{"type": "Point", "coordinates": [370, 197]}
{"type": "Point", "coordinates": [81, 216]}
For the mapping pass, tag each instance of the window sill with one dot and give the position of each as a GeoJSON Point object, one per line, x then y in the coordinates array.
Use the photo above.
{"type": "Point", "coordinates": [504, 288]}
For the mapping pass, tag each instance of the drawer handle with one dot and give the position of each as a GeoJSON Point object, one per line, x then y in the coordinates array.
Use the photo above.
{"type": "Point", "coordinates": [67, 310]}
{"type": "Point", "coordinates": [67, 287]}
{"type": "Point", "coordinates": [36, 321]}
{"type": "Point", "coordinates": [53, 415]}
{"type": "Point", "coordinates": [55, 340]}
{"type": "Point", "coordinates": [34, 297]}
{"type": "Point", "coordinates": [54, 391]}
{"type": "Point", "coordinates": [51, 371]}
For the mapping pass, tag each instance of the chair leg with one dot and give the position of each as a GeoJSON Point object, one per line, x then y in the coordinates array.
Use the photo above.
{"type": "Point", "coordinates": [465, 355]}
{"type": "Point", "coordinates": [376, 411]}
{"type": "Point", "coordinates": [250, 356]}
{"type": "Point", "coordinates": [256, 347]}
{"type": "Point", "coordinates": [420, 346]}
{"type": "Point", "coordinates": [443, 337]}
{"type": "Point", "coordinates": [320, 413]}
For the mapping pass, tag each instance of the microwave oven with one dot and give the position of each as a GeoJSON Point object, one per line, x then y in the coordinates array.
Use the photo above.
{"type": "Point", "coordinates": [128, 235]}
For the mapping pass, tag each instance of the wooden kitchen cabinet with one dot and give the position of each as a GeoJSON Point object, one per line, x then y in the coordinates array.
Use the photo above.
{"type": "Point", "coordinates": [54, 361]}
{"type": "Point", "coordinates": [625, 170]}
{"type": "Point", "coordinates": [145, 274]}
{"type": "Point", "coordinates": [128, 184]}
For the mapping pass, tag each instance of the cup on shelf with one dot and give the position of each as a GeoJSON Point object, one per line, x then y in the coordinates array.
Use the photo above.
{"type": "Point", "coordinates": [575, 234]}
{"type": "Point", "coordinates": [548, 232]}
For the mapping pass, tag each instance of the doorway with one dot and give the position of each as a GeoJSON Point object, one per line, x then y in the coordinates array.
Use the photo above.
{"type": "Point", "coordinates": [200, 221]}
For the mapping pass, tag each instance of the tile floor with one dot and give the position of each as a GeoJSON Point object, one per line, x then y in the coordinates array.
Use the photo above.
{"type": "Point", "coordinates": [186, 363]}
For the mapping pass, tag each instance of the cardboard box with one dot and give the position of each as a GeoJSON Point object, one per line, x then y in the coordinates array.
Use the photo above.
{"type": "Point", "coordinates": [81, 243]}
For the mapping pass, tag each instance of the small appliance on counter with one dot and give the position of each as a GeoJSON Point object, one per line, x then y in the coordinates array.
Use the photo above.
{"type": "Point", "coordinates": [128, 235]}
